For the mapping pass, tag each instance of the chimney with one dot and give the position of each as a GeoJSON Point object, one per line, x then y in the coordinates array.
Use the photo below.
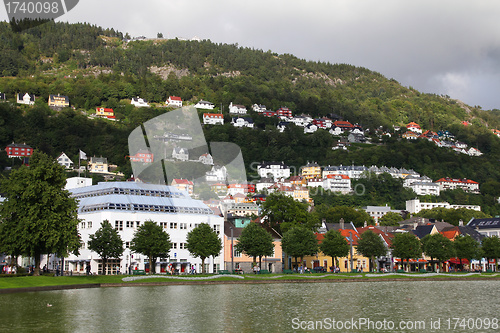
{"type": "Point", "coordinates": [341, 223]}
{"type": "Point", "coordinates": [460, 223]}
{"type": "Point", "coordinates": [415, 225]}
{"type": "Point", "coordinates": [366, 224]}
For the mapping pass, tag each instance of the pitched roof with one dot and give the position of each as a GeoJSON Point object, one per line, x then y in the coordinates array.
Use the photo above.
{"type": "Point", "coordinates": [182, 181]}
{"type": "Point", "coordinates": [422, 230]}
{"type": "Point", "coordinates": [454, 180]}
{"type": "Point", "coordinates": [485, 223]}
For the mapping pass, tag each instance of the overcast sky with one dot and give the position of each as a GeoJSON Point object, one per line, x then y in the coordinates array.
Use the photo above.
{"type": "Point", "coordinates": [447, 47]}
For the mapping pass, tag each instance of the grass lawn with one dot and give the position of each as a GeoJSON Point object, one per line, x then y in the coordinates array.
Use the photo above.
{"type": "Point", "coordinates": [42, 281]}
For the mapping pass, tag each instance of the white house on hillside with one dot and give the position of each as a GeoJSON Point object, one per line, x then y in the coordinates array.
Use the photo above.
{"type": "Point", "coordinates": [28, 99]}
{"type": "Point", "coordinates": [204, 105]}
{"type": "Point", "coordinates": [65, 161]}
{"type": "Point", "coordinates": [259, 108]}
{"type": "Point", "coordinates": [213, 119]}
{"type": "Point", "coordinates": [174, 101]}
{"type": "Point", "coordinates": [139, 102]}
{"type": "Point", "coordinates": [276, 170]}
{"type": "Point", "coordinates": [180, 154]}
{"type": "Point", "coordinates": [236, 108]}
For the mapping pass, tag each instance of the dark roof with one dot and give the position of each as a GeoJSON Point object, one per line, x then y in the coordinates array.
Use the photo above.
{"type": "Point", "coordinates": [336, 226]}
{"type": "Point", "coordinates": [20, 96]}
{"type": "Point", "coordinates": [467, 230]}
{"type": "Point", "coordinates": [237, 231]}
{"type": "Point", "coordinates": [485, 223]}
{"type": "Point", "coordinates": [52, 98]}
{"type": "Point", "coordinates": [282, 165]}
{"type": "Point", "coordinates": [422, 230]}
{"type": "Point", "coordinates": [18, 145]}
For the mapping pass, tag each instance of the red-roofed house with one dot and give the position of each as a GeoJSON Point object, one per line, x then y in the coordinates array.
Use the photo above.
{"type": "Point", "coordinates": [343, 263]}
{"type": "Point", "coordinates": [174, 101]}
{"type": "Point", "coordinates": [183, 185]}
{"type": "Point", "coordinates": [285, 112]}
{"type": "Point", "coordinates": [213, 119]}
{"type": "Point", "coordinates": [344, 125]}
{"type": "Point", "coordinates": [451, 184]}
{"type": "Point", "coordinates": [105, 113]}
{"type": "Point", "coordinates": [414, 127]}
{"type": "Point", "coordinates": [337, 183]}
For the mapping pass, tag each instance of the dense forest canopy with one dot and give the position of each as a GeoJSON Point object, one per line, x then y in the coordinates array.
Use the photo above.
{"type": "Point", "coordinates": [97, 67]}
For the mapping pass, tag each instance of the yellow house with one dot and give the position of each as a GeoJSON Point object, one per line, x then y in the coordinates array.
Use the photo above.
{"type": "Point", "coordinates": [98, 165]}
{"type": "Point", "coordinates": [311, 170]}
{"type": "Point", "coordinates": [105, 113]}
{"type": "Point", "coordinates": [240, 261]}
{"type": "Point", "coordinates": [301, 193]}
{"type": "Point", "coordinates": [58, 101]}
{"type": "Point", "coordinates": [343, 263]}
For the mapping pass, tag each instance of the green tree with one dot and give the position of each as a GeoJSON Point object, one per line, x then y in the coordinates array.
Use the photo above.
{"type": "Point", "coordinates": [390, 219]}
{"type": "Point", "coordinates": [357, 216]}
{"type": "Point", "coordinates": [491, 248]}
{"type": "Point", "coordinates": [299, 242]}
{"type": "Point", "coordinates": [451, 215]}
{"type": "Point", "coordinates": [107, 243]}
{"type": "Point", "coordinates": [334, 245]}
{"type": "Point", "coordinates": [406, 246]}
{"type": "Point", "coordinates": [203, 242]}
{"type": "Point", "coordinates": [371, 245]}
{"type": "Point", "coordinates": [282, 212]}
{"type": "Point", "coordinates": [255, 242]}
{"type": "Point", "coordinates": [467, 247]}
{"type": "Point", "coordinates": [38, 216]}
{"type": "Point", "coordinates": [151, 240]}
{"type": "Point", "coordinates": [437, 247]}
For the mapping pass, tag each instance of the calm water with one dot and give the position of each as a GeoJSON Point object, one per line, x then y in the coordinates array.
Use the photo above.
{"type": "Point", "coordinates": [255, 308]}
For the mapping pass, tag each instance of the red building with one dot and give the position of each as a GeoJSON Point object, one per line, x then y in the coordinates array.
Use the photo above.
{"type": "Point", "coordinates": [285, 112]}
{"type": "Point", "coordinates": [345, 125]}
{"type": "Point", "coordinates": [143, 156]}
{"type": "Point", "coordinates": [269, 113]}
{"type": "Point", "coordinates": [18, 150]}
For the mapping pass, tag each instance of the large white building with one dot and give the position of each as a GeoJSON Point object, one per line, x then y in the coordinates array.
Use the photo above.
{"type": "Point", "coordinates": [421, 185]}
{"type": "Point", "coordinates": [127, 205]}
{"type": "Point", "coordinates": [337, 183]}
{"type": "Point", "coordinates": [276, 170]}
{"type": "Point", "coordinates": [451, 184]}
{"type": "Point", "coordinates": [377, 212]}
{"type": "Point", "coordinates": [414, 206]}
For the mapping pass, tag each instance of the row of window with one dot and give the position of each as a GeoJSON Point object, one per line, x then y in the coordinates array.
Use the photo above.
{"type": "Point", "coordinates": [146, 208]}
{"type": "Point", "coordinates": [84, 225]}
{"type": "Point", "coordinates": [130, 191]}
{"type": "Point", "coordinates": [174, 225]}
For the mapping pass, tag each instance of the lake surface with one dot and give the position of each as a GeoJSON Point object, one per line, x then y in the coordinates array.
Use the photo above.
{"type": "Point", "coordinates": [285, 307]}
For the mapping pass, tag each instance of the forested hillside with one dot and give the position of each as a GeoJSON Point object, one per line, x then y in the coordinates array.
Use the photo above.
{"type": "Point", "coordinates": [96, 67]}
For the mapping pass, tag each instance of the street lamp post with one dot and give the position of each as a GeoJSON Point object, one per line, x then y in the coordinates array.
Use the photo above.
{"type": "Point", "coordinates": [350, 250]}
{"type": "Point", "coordinates": [232, 250]}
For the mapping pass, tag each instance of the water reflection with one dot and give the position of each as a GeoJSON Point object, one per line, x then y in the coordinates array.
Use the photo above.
{"type": "Point", "coordinates": [245, 307]}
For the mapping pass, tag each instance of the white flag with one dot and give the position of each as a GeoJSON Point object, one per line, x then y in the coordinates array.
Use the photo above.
{"type": "Point", "coordinates": [83, 156]}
